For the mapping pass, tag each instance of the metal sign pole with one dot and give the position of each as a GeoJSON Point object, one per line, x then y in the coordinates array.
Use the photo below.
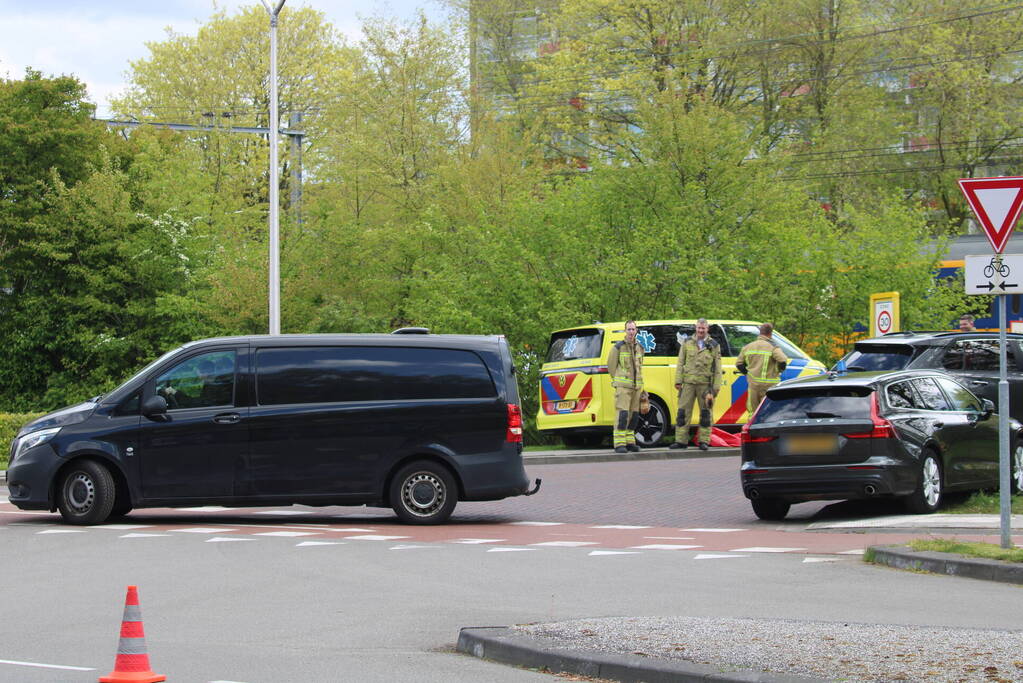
{"type": "Point", "coordinates": [1003, 428]}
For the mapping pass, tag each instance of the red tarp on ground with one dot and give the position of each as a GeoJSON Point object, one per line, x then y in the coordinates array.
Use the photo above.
{"type": "Point", "coordinates": [719, 437]}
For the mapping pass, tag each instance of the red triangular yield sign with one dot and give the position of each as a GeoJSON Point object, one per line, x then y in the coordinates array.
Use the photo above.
{"type": "Point", "coordinates": [997, 203]}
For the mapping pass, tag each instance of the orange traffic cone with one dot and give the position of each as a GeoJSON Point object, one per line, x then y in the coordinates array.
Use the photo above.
{"type": "Point", "coordinates": [132, 663]}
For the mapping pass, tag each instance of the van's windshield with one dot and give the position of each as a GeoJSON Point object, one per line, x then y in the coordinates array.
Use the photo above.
{"type": "Point", "coordinates": [572, 344]}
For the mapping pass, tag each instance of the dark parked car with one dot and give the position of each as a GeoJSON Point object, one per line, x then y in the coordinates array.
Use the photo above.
{"type": "Point", "coordinates": [411, 421]}
{"type": "Point", "coordinates": [910, 434]}
{"type": "Point", "coordinates": [970, 356]}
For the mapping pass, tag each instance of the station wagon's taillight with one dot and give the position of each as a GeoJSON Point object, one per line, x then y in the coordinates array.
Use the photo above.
{"type": "Point", "coordinates": [514, 434]}
{"type": "Point", "coordinates": [882, 428]}
{"type": "Point", "coordinates": [744, 436]}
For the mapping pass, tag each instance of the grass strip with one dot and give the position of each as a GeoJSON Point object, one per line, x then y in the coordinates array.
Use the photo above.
{"type": "Point", "coordinates": [988, 551]}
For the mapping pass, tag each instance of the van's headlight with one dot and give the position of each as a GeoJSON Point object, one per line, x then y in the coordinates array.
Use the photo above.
{"type": "Point", "coordinates": [34, 439]}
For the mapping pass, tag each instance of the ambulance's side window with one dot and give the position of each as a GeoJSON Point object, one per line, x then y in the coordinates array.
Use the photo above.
{"type": "Point", "coordinates": [715, 332]}
{"type": "Point", "coordinates": [665, 339]}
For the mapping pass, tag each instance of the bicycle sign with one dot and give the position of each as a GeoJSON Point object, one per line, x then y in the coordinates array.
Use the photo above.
{"type": "Point", "coordinates": [998, 274]}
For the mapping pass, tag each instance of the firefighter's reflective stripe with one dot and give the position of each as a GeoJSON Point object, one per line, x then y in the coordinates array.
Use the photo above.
{"type": "Point", "coordinates": [763, 365]}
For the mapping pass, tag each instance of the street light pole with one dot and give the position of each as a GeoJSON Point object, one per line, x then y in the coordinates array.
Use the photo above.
{"type": "Point", "coordinates": [275, 259]}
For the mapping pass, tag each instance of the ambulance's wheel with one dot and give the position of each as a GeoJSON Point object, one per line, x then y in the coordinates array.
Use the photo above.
{"type": "Point", "coordinates": [654, 425]}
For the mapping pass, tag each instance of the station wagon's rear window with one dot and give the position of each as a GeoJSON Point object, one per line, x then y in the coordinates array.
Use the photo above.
{"type": "Point", "coordinates": [359, 373]}
{"type": "Point", "coordinates": [837, 402]}
{"type": "Point", "coordinates": [572, 344]}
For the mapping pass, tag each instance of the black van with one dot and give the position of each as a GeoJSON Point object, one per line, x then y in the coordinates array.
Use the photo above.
{"type": "Point", "coordinates": [416, 422]}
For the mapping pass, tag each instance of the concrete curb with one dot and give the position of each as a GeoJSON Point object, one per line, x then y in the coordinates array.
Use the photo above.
{"type": "Point", "coordinates": [559, 457]}
{"type": "Point", "coordinates": [504, 645]}
{"type": "Point", "coordinates": [902, 557]}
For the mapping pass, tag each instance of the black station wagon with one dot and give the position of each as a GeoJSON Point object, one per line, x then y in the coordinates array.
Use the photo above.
{"type": "Point", "coordinates": [909, 434]}
{"type": "Point", "coordinates": [411, 421]}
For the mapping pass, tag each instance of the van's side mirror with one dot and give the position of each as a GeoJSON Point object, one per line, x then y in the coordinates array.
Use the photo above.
{"type": "Point", "coordinates": [155, 406]}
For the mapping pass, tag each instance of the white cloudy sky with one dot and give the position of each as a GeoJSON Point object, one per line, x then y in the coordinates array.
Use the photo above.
{"type": "Point", "coordinates": [96, 39]}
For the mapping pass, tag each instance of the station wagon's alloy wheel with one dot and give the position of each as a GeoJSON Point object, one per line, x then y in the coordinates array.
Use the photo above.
{"type": "Point", "coordinates": [423, 493]}
{"type": "Point", "coordinates": [929, 494]}
{"type": "Point", "coordinates": [1016, 470]}
{"type": "Point", "coordinates": [86, 493]}
{"type": "Point", "coordinates": [652, 426]}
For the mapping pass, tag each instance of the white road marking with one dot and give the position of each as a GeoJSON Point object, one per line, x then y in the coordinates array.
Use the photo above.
{"type": "Point", "coordinates": [619, 526]}
{"type": "Point", "coordinates": [715, 531]}
{"type": "Point", "coordinates": [142, 535]}
{"type": "Point", "coordinates": [46, 666]}
{"type": "Point", "coordinates": [371, 537]}
{"type": "Point", "coordinates": [288, 534]}
{"type": "Point", "coordinates": [712, 556]}
{"type": "Point", "coordinates": [22, 512]}
{"type": "Point", "coordinates": [62, 531]}
{"type": "Point", "coordinates": [204, 530]}
{"type": "Point", "coordinates": [536, 523]}
{"type": "Point", "coordinates": [565, 544]}
{"type": "Point", "coordinates": [124, 527]}
{"type": "Point", "coordinates": [664, 546]}
{"type": "Point", "coordinates": [299, 545]}
{"type": "Point", "coordinates": [409, 547]}
{"type": "Point", "coordinates": [613, 552]}
{"type": "Point", "coordinates": [858, 551]}
{"type": "Point", "coordinates": [227, 539]}
{"type": "Point", "coordinates": [765, 550]}
{"type": "Point", "coordinates": [820, 559]}
{"type": "Point", "coordinates": [354, 530]}
{"type": "Point", "coordinates": [478, 541]}
{"type": "Point", "coordinates": [507, 550]}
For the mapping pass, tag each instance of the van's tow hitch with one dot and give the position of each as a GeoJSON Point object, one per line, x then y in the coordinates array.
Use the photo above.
{"type": "Point", "coordinates": [535, 488]}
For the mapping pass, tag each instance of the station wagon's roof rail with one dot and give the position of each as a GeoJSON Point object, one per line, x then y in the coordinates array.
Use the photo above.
{"type": "Point", "coordinates": [412, 330]}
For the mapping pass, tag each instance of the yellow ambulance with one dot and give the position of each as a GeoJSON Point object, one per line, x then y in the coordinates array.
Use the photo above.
{"type": "Point", "coordinates": [577, 401]}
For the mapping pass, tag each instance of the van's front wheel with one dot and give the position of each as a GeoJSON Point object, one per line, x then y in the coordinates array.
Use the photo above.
{"type": "Point", "coordinates": [423, 492]}
{"type": "Point", "coordinates": [86, 494]}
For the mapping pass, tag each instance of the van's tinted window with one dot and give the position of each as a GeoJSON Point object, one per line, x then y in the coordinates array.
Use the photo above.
{"type": "Point", "coordinates": [843, 402]}
{"type": "Point", "coordinates": [572, 344]}
{"type": "Point", "coordinates": [201, 381]}
{"type": "Point", "coordinates": [664, 337]}
{"type": "Point", "coordinates": [357, 373]}
{"type": "Point", "coordinates": [868, 357]}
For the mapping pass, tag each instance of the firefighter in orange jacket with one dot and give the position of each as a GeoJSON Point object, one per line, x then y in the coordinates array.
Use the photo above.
{"type": "Point", "coordinates": [762, 361]}
{"type": "Point", "coordinates": [625, 365]}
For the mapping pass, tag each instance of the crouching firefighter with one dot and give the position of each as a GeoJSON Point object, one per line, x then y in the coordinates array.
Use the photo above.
{"type": "Point", "coordinates": [698, 378]}
{"type": "Point", "coordinates": [625, 365]}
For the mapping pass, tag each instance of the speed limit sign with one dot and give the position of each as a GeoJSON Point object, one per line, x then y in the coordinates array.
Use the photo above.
{"type": "Point", "coordinates": [884, 321]}
{"type": "Point", "coordinates": [884, 313]}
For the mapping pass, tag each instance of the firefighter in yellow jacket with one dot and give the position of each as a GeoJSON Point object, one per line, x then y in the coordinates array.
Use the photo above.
{"type": "Point", "coordinates": [625, 365]}
{"type": "Point", "coordinates": [698, 378]}
{"type": "Point", "coordinates": [762, 361]}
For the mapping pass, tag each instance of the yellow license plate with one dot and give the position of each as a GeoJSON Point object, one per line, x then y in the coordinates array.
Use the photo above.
{"type": "Point", "coordinates": [811, 444]}
{"type": "Point", "coordinates": [564, 405]}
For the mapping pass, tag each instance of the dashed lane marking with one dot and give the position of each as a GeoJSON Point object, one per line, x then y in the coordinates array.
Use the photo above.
{"type": "Point", "coordinates": [565, 544]}
{"type": "Point", "coordinates": [299, 545]}
{"type": "Point", "coordinates": [409, 547]}
{"type": "Point", "coordinates": [758, 549]}
{"type": "Point", "coordinates": [858, 551]}
{"type": "Point", "coordinates": [203, 530]}
{"type": "Point", "coordinates": [124, 527]}
{"type": "Point", "coordinates": [477, 541]}
{"type": "Point", "coordinates": [820, 559]}
{"type": "Point", "coordinates": [613, 552]}
{"type": "Point", "coordinates": [61, 531]}
{"type": "Point", "coordinates": [665, 546]}
{"type": "Point", "coordinates": [373, 537]}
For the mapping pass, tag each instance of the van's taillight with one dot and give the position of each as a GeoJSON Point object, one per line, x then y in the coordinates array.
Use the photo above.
{"type": "Point", "coordinates": [514, 434]}
{"type": "Point", "coordinates": [744, 436]}
{"type": "Point", "coordinates": [882, 428]}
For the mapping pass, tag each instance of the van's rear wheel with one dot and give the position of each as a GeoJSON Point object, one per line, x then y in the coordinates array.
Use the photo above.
{"type": "Point", "coordinates": [653, 426]}
{"type": "Point", "coordinates": [86, 494]}
{"type": "Point", "coordinates": [423, 492]}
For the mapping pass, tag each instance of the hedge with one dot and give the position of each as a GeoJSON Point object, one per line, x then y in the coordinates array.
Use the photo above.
{"type": "Point", "coordinates": [10, 423]}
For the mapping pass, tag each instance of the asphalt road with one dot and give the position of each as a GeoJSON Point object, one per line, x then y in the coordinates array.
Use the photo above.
{"type": "Point", "coordinates": [341, 594]}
